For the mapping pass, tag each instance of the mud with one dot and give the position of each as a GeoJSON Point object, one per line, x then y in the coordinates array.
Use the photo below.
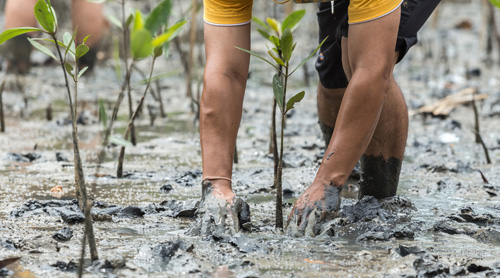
{"type": "Point", "coordinates": [443, 221]}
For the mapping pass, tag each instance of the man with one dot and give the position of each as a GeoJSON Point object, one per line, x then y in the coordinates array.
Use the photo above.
{"type": "Point", "coordinates": [357, 95]}
{"type": "Point", "coordinates": [20, 13]}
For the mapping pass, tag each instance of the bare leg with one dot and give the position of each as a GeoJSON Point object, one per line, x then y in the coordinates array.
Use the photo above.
{"type": "Point", "coordinates": [370, 55]}
{"type": "Point", "coordinates": [222, 102]}
{"type": "Point", "coordinates": [90, 21]}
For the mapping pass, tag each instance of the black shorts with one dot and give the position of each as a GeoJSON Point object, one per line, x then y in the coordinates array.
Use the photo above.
{"type": "Point", "coordinates": [414, 13]}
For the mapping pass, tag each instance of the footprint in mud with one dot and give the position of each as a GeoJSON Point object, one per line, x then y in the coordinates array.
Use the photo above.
{"type": "Point", "coordinates": [218, 218]}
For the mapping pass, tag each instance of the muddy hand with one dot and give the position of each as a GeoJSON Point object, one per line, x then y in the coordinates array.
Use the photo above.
{"type": "Point", "coordinates": [219, 216]}
{"type": "Point", "coordinates": [318, 204]}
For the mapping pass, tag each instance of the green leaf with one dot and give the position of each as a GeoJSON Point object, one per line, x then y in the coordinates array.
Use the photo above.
{"type": "Point", "coordinates": [286, 45]}
{"type": "Point", "coordinates": [119, 141]}
{"type": "Point", "coordinates": [258, 56]}
{"type": "Point", "coordinates": [69, 69]}
{"type": "Point", "coordinates": [43, 49]}
{"type": "Point", "coordinates": [60, 43]}
{"type": "Point", "coordinates": [171, 33]}
{"type": "Point", "coordinates": [263, 33]}
{"type": "Point", "coordinates": [159, 16]}
{"type": "Point", "coordinates": [309, 57]}
{"type": "Point", "coordinates": [86, 38]}
{"type": "Point", "coordinates": [275, 40]}
{"type": "Point", "coordinates": [275, 25]}
{"type": "Point", "coordinates": [278, 91]}
{"type": "Point", "coordinates": [113, 19]}
{"type": "Point", "coordinates": [81, 72]}
{"type": "Point", "coordinates": [292, 19]}
{"type": "Point", "coordinates": [14, 32]}
{"type": "Point", "coordinates": [129, 21]}
{"type": "Point", "coordinates": [141, 43]}
{"type": "Point", "coordinates": [277, 59]}
{"type": "Point", "coordinates": [495, 3]}
{"type": "Point", "coordinates": [262, 24]}
{"type": "Point", "coordinates": [103, 116]}
{"type": "Point", "coordinates": [69, 41]}
{"type": "Point", "coordinates": [138, 21]}
{"type": "Point", "coordinates": [45, 17]}
{"type": "Point", "coordinates": [81, 50]}
{"type": "Point", "coordinates": [295, 99]}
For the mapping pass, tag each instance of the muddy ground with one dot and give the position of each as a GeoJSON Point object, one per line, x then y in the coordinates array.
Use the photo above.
{"type": "Point", "coordinates": [445, 220]}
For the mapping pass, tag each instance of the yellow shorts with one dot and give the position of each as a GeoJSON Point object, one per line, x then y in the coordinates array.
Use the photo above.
{"type": "Point", "coordinates": [365, 10]}
{"type": "Point", "coordinates": [227, 12]}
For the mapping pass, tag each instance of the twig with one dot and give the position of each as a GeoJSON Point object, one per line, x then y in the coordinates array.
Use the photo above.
{"type": "Point", "coordinates": [2, 120]}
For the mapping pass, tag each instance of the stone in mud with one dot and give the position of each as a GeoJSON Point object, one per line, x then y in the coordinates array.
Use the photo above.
{"type": "Point", "coordinates": [403, 232]}
{"type": "Point", "coordinates": [105, 214]}
{"type": "Point", "coordinates": [71, 216]}
{"type": "Point", "coordinates": [62, 266]}
{"type": "Point", "coordinates": [453, 228]}
{"type": "Point", "coordinates": [130, 212]}
{"type": "Point", "coordinates": [63, 235]}
{"type": "Point", "coordinates": [166, 188]}
{"type": "Point", "coordinates": [404, 251]}
{"type": "Point", "coordinates": [188, 178]}
{"type": "Point", "coordinates": [428, 266]}
{"type": "Point", "coordinates": [489, 235]}
{"type": "Point", "coordinates": [28, 157]}
{"type": "Point", "coordinates": [378, 233]}
{"type": "Point", "coordinates": [7, 244]}
{"type": "Point", "coordinates": [60, 157]}
{"type": "Point", "coordinates": [159, 256]}
{"type": "Point", "coordinates": [110, 263]}
{"type": "Point", "coordinates": [246, 244]}
{"type": "Point", "coordinates": [174, 208]}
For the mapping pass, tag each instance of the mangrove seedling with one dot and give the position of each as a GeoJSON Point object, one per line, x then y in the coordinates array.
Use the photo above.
{"type": "Point", "coordinates": [47, 19]}
{"type": "Point", "coordinates": [276, 28]}
{"type": "Point", "coordinates": [281, 53]}
{"type": "Point", "coordinates": [144, 45]}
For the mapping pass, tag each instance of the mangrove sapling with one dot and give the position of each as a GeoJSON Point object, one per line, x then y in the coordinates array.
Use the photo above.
{"type": "Point", "coordinates": [46, 17]}
{"type": "Point", "coordinates": [144, 45]}
{"type": "Point", "coordinates": [2, 120]}
{"type": "Point", "coordinates": [273, 26]}
{"type": "Point", "coordinates": [285, 45]}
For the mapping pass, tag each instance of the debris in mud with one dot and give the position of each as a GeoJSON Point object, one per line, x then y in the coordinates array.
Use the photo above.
{"type": "Point", "coordinates": [170, 254]}
{"type": "Point", "coordinates": [188, 178]}
{"type": "Point", "coordinates": [246, 244]}
{"type": "Point", "coordinates": [66, 267]}
{"type": "Point", "coordinates": [110, 263]}
{"type": "Point", "coordinates": [28, 157]}
{"type": "Point", "coordinates": [428, 266]}
{"type": "Point", "coordinates": [63, 235]}
{"type": "Point", "coordinates": [404, 251]}
{"type": "Point", "coordinates": [7, 244]}
{"type": "Point", "coordinates": [378, 233]}
{"type": "Point", "coordinates": [71, 216]}
{"type": "Point", "coordinates": [67, 210]}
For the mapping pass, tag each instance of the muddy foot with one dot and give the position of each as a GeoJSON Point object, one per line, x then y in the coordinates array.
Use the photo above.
{"type": "Point", "coordinates": [219, 218]}
{"type": "Point", "coordinates": [313, 209]}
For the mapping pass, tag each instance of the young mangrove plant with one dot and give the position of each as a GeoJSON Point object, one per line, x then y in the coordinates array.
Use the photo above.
{"type": "Point", "coordinates": [144, 44]}
{"type": "Point", "coordinates": [281, 53]}
{"type": "Point", "coordinates": [276, 28]}
{"type": "Point", "coordinates": [46, 17]}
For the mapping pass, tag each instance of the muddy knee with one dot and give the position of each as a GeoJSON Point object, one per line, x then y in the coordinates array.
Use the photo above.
{"type": "Point", "coordinates": [379, 176]}
{"type": "Point", "coordinates": [327, 132]}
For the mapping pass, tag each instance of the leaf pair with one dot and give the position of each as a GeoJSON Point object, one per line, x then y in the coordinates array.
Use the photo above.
{"type": "Point", "coordinates": [272, 25]}
{"type": "Point", "coordinates": [278, 95]}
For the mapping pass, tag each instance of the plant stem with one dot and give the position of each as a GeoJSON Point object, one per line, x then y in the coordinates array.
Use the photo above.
{"type": "Point", "coordinates": [119, 170]}
{"type": "Point", "coordinates": [82, 254]}
{"type": "Point", "coordinates": [279, 200]}
{"type": "Point", "coordinates": [2, 120]}
{"type": "Point", "coordinates": [79, 177]}
{"type": "Point", "coordinates": [479, 138]}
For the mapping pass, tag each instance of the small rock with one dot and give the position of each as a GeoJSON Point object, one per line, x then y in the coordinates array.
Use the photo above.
{"type": "Point", "coordinates": [404, 251]}
{"type": "Point", "coordinates": [7, 244]}
{"type": "Point", "coordinates": [70, 266]}
{"type": "Point", "coordinates": [70, 216]}
{"type": "Point", "coordinates": [166, 188]}
{"type": "Point", "coordinates": [60, 157]}
{"type": "Point", "coordinates": [63, 235]}
{"type": "Point", "coordinates": [131, 212]}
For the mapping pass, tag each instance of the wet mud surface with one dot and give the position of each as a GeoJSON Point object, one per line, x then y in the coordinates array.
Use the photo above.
{"type": "Point", "coordinates": [445, 220]}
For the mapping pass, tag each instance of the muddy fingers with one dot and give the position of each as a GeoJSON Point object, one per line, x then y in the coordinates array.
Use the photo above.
{"type": "Point", "coordinates": [313, 208]}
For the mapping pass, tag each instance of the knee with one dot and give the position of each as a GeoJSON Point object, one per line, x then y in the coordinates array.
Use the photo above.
{"type": "Point", "coordinates": [377, 76]}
